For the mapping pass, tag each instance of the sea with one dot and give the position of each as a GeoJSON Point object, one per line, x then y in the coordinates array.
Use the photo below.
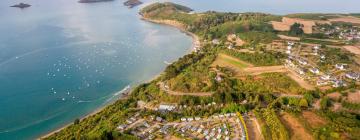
{"type": "Point", "coordinates": [61, 60]}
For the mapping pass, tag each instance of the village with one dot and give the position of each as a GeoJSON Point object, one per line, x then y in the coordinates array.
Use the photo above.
{"type": "Point", "coordinates": [219, 126]}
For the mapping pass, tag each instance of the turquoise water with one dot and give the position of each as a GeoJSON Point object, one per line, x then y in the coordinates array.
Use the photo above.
{"type": "Point", "coordinates": [60, 60]}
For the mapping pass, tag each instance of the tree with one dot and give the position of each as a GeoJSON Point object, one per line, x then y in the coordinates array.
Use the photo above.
{"type": "Point", "coordinates": [309, 97]}
{"type": "Point", "coordinates": [303, 103]}
{"type": "Point", "coordinates": [324, 103]}
{"type": "Point", "coordinates": [296, 29]}
{"type": "Point", "coordinates": [76, 121]}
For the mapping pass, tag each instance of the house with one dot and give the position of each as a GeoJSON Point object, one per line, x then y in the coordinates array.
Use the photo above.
{"type": "Point", "coordinates": [206, 132]}
{"type": "Point", "coordinates": [353, 75]}
{"type": "Point", "coordinates": [316, 47]}
{"type": "Point", "coordinates": [197, 118]}
{"type": "Point", "coordinates": [325, 77]}
{"type": "Point", "coordinates": [321, 83]}
{"type": "Point", "coordinates": [322, 57]}
{"type": "Point", "coordinates": [122, 127]}
{"type": "Point", "coordinates": [291, 43]}
{"type": "Point", "coordinates": [341, 66]}
{"type": "Point", "coordinates": [164, 129]}
{"type": "Point", "coordinates": [338, 83]}
{"type": "Point", "coordinates": [302, 62]}
{"type": "Point", "coordinates": [218, 78]}
{"type": "Point", "coordinates": [190, 119]}
{"type": "Point", "coordinates": [301, 71]}
{"type": "Point", "coordinates": [289, 47]}
{"type": "Point", "coordinates": [215, 41]}
{"type": "Point", "coordinates": [159, 119]}
{"type": "Point", "coordinates": [226, 132]}
{"type": "Point", "coordinates": [146, 124]}
{"type": "Point", "coordinates": [164, 107]}
{"type": "Point", "coordinates": [315, 70]}
{"type": "Point", "coordinates": [183, 119]}
{"type": "Point", "coordinates": [129, 121]}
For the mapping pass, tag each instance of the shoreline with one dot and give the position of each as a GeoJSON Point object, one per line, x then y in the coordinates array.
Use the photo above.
{"type": "Point", "coordinates": [196, 41]}
{"type": "Point", "coordinates": [121, 97]}
{"type": "Point", "coordinates": [195, 45]}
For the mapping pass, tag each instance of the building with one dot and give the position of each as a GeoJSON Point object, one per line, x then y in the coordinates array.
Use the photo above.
{"type": "Point", "coordinates": [159, 119]}
{"type": "Point", "coordinates": [164, 107]}
{"type": "Point", "coordinates": [218, 78]}
{"type": "Point", "coordinates": [183, 119]}
{"type": "Point", "coordinates": [122, 127]}
{"type": "Point", "coordinates": [338, 83]}
{"type": "Point", "coordinates": [315, 70]}
{"type": "Point", "coordinates": [353, 75]}
{"type": "Point", "coordinates": [215, 41]}
{"type": "Point", "coordinates": [302, 62]}
{"type": "Point", "coordinates": [321, 83]}
{"type": "Point", "coordinates": [291, 43]}
{"type": "Point", "coordinates": [325, 77]}
{"type": "Point", "coordinates": [340, 66]}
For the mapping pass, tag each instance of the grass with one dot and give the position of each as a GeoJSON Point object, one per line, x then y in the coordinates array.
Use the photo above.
{"type": "Point", "coordinates": [313, 16]}
{"type": "Point", "coordinates": [232, 61]}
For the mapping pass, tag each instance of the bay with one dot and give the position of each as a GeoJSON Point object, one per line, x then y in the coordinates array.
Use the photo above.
{"type": "Point", "coordinates": [61, 60]}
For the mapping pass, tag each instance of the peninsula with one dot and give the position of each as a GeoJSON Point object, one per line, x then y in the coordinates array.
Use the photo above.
{"type": "Point", "coordinates": [254, 76]}
{"type": "Point", "coordinates": [21, 5]}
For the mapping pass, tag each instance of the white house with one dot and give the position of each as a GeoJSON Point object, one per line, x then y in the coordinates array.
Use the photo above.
{"type": "Point", "coordinates": [338, 83]}
{"type": "Point", "coordinates": [290, 43]}
{"type": "Point", "coordinates": [215, 41]}
{"type": "Point", "coordinates": [289, 47]}
{"type": "Point", "coordinates": [352, 75]}
{"type": "Point", "coordinates": [340, 66]}
{"type": "Point", "coordinates": [183, 119]}
{"type": "Point", "coordinates": [316, 47]}
{"type": "Point", "coordinates": [322, 57]}
{"type": "Point", "coordinates": [302, 62]}
{"type": "Point", "coordinates": [322, 83]}
{"type": "Point", "coordinates": [315, 70]}
{"type": "Point", "coordinates": [325, 77]}
{"type": "Point", "coordinates": [122, 126]}
{"type": "Point", "coordinates": [164, 107]}
{"type": "Point", "coordinates": [301, 72]}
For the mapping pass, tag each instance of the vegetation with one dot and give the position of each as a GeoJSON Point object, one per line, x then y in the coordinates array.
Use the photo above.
{"type": "Point", "coordinates": [276, 128]}
{"type": "Point", "coordinates": [334, 56]}
{"type": "Point", "coordinates": [314, 16]}
{"type": "Point", "coordinates": [193, 73]}
{"type": "Point", "coordinates": [296, 29]}
{"type": "Point", "coordinates": [280, 82]}
{"type": "Point", "coordinates": [351, 106]}
{"type": "Point", "coordinates": [258, 59]}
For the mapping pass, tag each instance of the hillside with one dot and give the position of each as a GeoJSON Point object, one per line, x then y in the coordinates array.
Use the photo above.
{"type": "Point", "coordinates": [215, 91]}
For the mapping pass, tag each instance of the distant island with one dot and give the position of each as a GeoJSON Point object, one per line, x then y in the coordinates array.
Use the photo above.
{"type": "Point", "coordinates": [132, 3]}
{"type": "Point", "coordinates": [21, 5]}
{"type": "Point", "coordinates": [92, 1]}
